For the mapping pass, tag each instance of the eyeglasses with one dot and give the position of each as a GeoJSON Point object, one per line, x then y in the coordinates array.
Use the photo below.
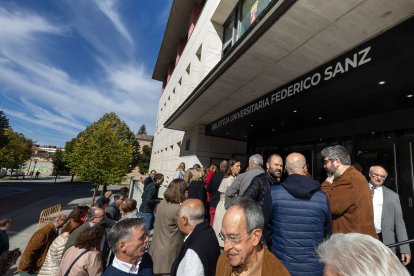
{"type": "Point", "coordinates": [233, 239]}
{"type": "Point", "coordinates": [379, 176]}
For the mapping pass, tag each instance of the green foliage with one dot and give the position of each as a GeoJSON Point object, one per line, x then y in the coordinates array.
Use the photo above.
{"type": "Point", "coordinates": [17, 151]}
{"type": "Point", "coordinates": [145, 159]}
{"type": "Point", "coordinates": [4, 124]}
{"type": "Point", "coordinates": [59, 162]}
{"type": "Point", "coordinates": [142, 130]}
{"type": "Point", "coordinates": [104, 152]}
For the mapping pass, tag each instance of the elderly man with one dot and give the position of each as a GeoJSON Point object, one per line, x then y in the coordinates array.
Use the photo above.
{"type": "Point", "coordinates": [261, 183]}
{"type": "Point", "coordinates": [200, 251]}
{"type": "Point", "coordinates": [300, 219]}
{"type": "Point", "coordinates": [242, 181]}
{"type": "Point", "coordinates": [103, 201]}
{"type": "Point", "coordinates": [244, 254]}
{"type": "Point", "coordinates": [35, 252]}
{"type": "Point", "coordinates": [388, 217]}
{"type": "Point", "coordinates": [95, 215]}
{"type": "Point", "coordinates": [128, 241]}
{"type": "Point", "coordinates": [358, 255]}
{"type": "Point", "coordinates": [348, 194]}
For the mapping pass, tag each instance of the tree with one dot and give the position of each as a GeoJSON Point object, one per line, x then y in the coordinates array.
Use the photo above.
{"type": "Point", "coordinates": [59, 163]}
{"type": "Point", "coordinates": [142, 130]}
{"type": "Point", "coordinates": [4, 124]}
{"type": "Point", "coordinates": [17, 151]}
{"type": "Point", "coordinates": [145, 159]}
{"type": "Point", "coordinates": [104, 152]}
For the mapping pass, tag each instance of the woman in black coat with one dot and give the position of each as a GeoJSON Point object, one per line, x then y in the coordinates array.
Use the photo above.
{"type": "Point", "coordinates": [196, 188]}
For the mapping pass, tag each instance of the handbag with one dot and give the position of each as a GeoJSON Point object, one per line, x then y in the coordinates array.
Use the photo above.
{"type": "Point", "coordinates": [77, 258]}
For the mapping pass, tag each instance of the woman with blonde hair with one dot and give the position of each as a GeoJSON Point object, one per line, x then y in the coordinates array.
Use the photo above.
{"type": "Point", "coordinates": [232, 171]}
{"type": "Point", "coordinates": [196, 188]}
{"type": "Point", "coordinates": [167, 239]}
{"type": "Point", "coordinates": [180, 171]}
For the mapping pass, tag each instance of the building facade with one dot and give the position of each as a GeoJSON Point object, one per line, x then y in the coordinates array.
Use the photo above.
{"type": "Point", "coordinates": [258, 76]}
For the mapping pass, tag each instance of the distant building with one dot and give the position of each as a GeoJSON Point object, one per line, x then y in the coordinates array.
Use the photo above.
{"type": "Point", "coordinates": [46, 151]}
{"type": "Point", "coordinates": [144, 140]}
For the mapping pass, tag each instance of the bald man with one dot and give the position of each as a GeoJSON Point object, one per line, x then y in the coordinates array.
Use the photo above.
{"type": "Point", "coordinates": [297, 218]}
{"type": "Point", "coordinates": [199, 254]}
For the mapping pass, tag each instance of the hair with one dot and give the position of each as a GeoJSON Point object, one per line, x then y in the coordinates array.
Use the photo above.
{"type": "Point", "coordinates": [357, 254]}
{"type": "Point", "coordinates": [196, 166]}
{"type": "Point", "coordinates": [122, 231]}
{"type": "Point", "coordinates": [175, 192]}
{"type": "Point", "coordinates": [5, 221]}
{"type": "Point", "coordinates": [118, 195]}
{"type": "Point", "coordinates": [153, 171]}
{"type": "Point", "coordinates": [256, 159]}
{"type": "Point", "coordinates": [372, 167]}
{"type": "Point", "coordinates": [337, 151]}
{"type": "Point", "coordinates": [158, 176]}
{"type": "Point", "coordinates": [124, 191]}
{"type": "Point", "coordinates": [92, 213]}
{"type": "Point", "coordinates": [271, 156]}
{"type": "Point", "coordinates": [181, 166]}
{"type": "Point", "coordinates": [198, 174]}
{"type": "Point", "coordinates": [57, 217]}
{"type": "Point", "coordinates": [128, 205]}
{"type": "Point", "coordinates": [195, 215]}
{"type": "Point", "coordinates": [253, 213]}
{"type": "Point", "coordinates": [72, 225]}
{"type": "Point", "coordinates": [231, 163]}
{"type": "Point", "coordinates": [90, 238]}
{"type": "Point", "coordinates": [8, 259]}
{"type": "Point", "coordinates": [223, 165]}
{"type": "Point", "coordinates": [78, 212]}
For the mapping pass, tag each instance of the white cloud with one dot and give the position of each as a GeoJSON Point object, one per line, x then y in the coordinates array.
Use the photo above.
{"type": "Point", "coordinates": [47, 96]}
{"type": "Point", "coordinates": [109, 9]}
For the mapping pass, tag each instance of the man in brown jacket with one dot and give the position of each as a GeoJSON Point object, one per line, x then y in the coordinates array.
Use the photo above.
{"type": "Point", "coordinates": [35, 253]}
{"type": "Point", "coordinates": [244, 254]}
{"type": "Point", "coordinates": [348, 194]}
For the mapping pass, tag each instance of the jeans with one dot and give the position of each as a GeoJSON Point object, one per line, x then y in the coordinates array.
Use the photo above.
{"type": "Point", "coordinates": [148, 220]}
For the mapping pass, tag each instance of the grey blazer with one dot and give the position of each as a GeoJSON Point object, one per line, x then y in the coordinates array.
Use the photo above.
{"type": "Point", "coordinates": [392, 222]}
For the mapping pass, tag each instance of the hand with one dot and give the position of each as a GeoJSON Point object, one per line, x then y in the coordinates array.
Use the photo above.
{"type": "Point", "coordinates": [405, 258]}
{"type": "Point", "coordinates": [330, 179]}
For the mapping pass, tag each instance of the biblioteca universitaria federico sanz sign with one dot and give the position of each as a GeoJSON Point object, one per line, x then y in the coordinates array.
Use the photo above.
{"type": "Point", "coordinates": [353, 61]}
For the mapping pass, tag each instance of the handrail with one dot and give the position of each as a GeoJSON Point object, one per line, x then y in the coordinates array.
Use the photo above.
{"type": "Point", "coordinates": [47, 214]}
{"type": "Point", "coordinates": [400, 243]}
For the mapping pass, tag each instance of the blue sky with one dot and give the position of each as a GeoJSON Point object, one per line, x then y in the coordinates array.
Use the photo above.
{"type": "Point", "coordinates": [65, 63]}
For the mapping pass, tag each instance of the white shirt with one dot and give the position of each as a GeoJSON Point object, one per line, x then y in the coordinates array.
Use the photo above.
{"type": "Point", "coordinates": [377, 202]}
{"type": "Point", "coordinates": [126, 267]}
{"type": "Point", "coordinates": [191, 264]}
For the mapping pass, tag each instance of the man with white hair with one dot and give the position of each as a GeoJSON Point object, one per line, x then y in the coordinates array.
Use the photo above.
{"type": "Point", "coordinates": [200, 251]}
{"type": "Point", "coordinates": [242, 181]}
{"type": "Point", "coordinates": [358, 255]}
{"type": "Point", "coordinates": [388, 218]}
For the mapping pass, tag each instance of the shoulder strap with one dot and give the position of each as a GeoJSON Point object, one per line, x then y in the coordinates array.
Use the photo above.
{"type": "Point", "coordinates": [77, 258]}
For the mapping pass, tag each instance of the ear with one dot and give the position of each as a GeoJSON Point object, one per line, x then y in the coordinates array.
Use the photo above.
{"type": "Point", "coordinates": [121, 246]}
{"type": "Point", "coordinates": [257, 236]}
{"type": "Point", "coordinates": [184, 220]}
{"type": "Point", "coordinates": [267, 165]}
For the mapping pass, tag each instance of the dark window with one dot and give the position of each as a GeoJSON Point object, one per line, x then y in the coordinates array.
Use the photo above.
{"type": "Point", "coordinates": [187, 144]}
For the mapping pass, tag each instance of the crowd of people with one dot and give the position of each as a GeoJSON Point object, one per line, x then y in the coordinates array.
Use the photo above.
{"type": "Point", "coordinates": [223, 222]}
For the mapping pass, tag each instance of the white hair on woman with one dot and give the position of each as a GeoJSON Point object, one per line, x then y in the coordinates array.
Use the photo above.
{"type": "Point", "coordinates": [357, 254]}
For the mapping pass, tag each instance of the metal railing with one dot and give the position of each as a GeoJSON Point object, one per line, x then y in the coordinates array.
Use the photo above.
{"type": "Point", "coordinates": [47, 214]}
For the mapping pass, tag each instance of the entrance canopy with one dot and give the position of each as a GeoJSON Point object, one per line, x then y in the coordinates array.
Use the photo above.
{"type": "Point", "coordinates": [305, 37]}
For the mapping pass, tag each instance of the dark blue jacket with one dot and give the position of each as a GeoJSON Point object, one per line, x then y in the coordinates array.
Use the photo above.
{"type": "Point", "coordinates": [145, 268]}
{"type": "Point", "coordinates": [298, 219]}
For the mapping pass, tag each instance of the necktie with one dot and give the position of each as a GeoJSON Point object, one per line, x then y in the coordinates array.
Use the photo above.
{"type": "Point", "coordinates": [372, 191]}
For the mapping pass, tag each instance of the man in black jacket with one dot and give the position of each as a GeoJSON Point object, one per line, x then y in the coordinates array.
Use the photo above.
{"type": "Point", "coordinates": [261, 183]}
{"type": "Point", "coordinates": [112, 212]}
{"type": "Point", "coordinates": [149, 179]}
{"type": "Point", "coordinates": [150, 200]}
{"type": "Point", "coordinates": [200, 251]}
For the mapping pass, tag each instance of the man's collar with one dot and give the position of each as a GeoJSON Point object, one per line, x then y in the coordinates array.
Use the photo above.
{"type": "Point", "coordinates": [378, 188]}
{"type": "Point", "coordinates": [126, 267]}
{"type": "Point", "coordinates": [186, 237]}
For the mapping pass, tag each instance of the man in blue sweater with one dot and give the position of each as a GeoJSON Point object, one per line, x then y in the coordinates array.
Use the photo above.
{"type": "Point", "coordinates": [128, 241]}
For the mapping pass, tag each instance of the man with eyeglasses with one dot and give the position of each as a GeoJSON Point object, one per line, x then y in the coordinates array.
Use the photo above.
{"type": "Point", "coordinates": [388, 217]}
{"type": "Point", "coordinates": [298, 219]}
{"type": "Point", "coordinates": [348, 194]}
{"type": "Point", "coordinates": [244, 253]}
{"type": "Point", "coordinates": [200, 251]}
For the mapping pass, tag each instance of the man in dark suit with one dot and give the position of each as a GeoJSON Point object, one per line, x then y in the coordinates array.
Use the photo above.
{"type": "Point", "coordinates": [150, 178]}
{"type": "Point", "coordinates": [388, 217]}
